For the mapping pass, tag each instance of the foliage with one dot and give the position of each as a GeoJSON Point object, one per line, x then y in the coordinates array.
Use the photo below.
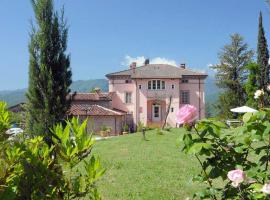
{"type": "Point", "coordinates": [125, 128]}
{"type": "Point", "coordinates": [31, 169]}
{"type": "Point", "coordinates": [220, 150]}
{"type": "Point", "coordinates": [4, 120]}
{"type": "Point", "coordinates": [231, 73]}
{"type": "Point", "coordinates": [262, 56]}
{"type": "Point", "coordinates": [49, 69]}
{"type": "Point", "coordinates": [104, 128]}
{"type": "Point", "coordinates": [252, 83]}
{"type": "Point", "coordinates": [140, 126]}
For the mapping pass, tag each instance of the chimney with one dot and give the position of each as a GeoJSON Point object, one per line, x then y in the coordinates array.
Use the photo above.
{"type": "Point", "coordinates": [133, 66]}
{"type": "Point", "coordinates": [183, 65]}
{"type": "Point", "coordinates": [147, 61]}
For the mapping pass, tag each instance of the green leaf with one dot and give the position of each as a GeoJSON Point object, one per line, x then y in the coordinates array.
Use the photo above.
{"type": "Point", "coordinates": [247, 117]}
{"type": "Point", "coordinates": [197, 148]}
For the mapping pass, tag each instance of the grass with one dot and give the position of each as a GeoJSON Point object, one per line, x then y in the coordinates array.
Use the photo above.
{"type": "Point", "coordinates": [152, 169]}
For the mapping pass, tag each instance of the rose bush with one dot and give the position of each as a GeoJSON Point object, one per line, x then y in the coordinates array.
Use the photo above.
{"type": "Point", "coordinates": [240, 157]}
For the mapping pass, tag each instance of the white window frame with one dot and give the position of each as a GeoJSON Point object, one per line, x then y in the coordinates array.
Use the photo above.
{"type": "Point", "coordinates": [128, 97]}
{"type": "Point", "coordinates": [156, 84]}
{"type": "Point", "coordinates": [184, 99]}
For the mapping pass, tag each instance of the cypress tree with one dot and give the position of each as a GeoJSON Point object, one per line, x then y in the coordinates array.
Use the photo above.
{"type": "Point", "coordinates": [49, 69]}
{"type": "Point", "coordinates": [262, 56]}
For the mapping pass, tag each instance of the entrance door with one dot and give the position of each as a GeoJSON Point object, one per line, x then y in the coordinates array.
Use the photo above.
{"type": "Point", "coordinates": [156, 113]}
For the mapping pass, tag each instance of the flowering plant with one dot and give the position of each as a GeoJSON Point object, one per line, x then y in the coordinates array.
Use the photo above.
{"type": "Point", "coordinates": [239, 156]}
{"type": "Point", "coordinates": [186, 114]}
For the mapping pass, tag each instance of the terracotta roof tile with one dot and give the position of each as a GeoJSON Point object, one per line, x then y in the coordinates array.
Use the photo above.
{"type": "Point", "coordinates": [157, 71]}
{"type": "Point", "coordinates": [92, 96]}
{"type": "Point", "coordinates": [92, 110]}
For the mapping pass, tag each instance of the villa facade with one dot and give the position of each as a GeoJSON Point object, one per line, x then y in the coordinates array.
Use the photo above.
{"type": "Point", "coordinates": [144, 94]}
{"type": "Point", "coordinates": [151, 91]}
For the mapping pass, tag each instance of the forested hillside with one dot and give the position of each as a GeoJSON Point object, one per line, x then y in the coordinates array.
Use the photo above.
{"type": "Point", "coordinates": [17, 96]}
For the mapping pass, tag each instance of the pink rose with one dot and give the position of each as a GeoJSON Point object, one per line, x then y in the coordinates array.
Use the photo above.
{"type": "Point", "coordinates": [236, 176]}
{"type": "Point", "coordinates": [186, 114]}
{"type": "Point", "coordinates": [266, 188]}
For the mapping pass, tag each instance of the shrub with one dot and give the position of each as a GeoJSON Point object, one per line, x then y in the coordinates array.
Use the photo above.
{"type": "Point", "coordinates": [125, 128]}
{"type": "Point", "coordinates": [238, 156]}
{"type": "Point", "coordinates": [33, 170]}
{"type": "Point", "coordinates": [140, 127]}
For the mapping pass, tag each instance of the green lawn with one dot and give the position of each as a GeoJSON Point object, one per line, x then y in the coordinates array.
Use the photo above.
{"type": "Point", "coordinates": [153, 169]}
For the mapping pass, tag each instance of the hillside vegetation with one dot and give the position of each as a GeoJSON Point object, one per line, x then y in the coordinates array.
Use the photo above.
{"type": "Point", "coordinates": [14, 97]}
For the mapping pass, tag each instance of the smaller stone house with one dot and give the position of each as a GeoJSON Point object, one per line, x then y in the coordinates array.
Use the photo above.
{"type": "Point", "coordinates": [97, 108]}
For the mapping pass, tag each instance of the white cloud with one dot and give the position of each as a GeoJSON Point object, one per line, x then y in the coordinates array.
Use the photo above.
{"type": "Point", "coordinates": [140, 61]}
{"type": "Point", "coordinates": [210, 65]}
{"type": "Point", "coordinates": [128, 60]}
{"type": "Point", "coordinates": [159, 60]}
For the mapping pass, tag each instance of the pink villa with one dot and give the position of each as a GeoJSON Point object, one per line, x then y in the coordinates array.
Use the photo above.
{"type": "Point", "coordinates": [142, 94]}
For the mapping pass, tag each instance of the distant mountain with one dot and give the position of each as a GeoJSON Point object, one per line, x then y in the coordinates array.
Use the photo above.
{"type": "Point", "coordinates": [17, 96]}
{"type": "Point", "coordinates": [87, 86]}
{"type": "Point", "coordinates": [211, 90]}
{"type": "Point", "coordinates": [14, 97]}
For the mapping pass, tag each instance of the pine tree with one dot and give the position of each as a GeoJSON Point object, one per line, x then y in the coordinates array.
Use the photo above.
{"type": "Point", "coordinates": [262, 56]}
{"type": "Point", "coordinates": [232, 73]}
{"type": "Point", "coordinates": [49, 69]}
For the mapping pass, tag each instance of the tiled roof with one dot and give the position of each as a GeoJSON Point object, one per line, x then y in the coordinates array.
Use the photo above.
{"type": "Point", "coordinates": [92, 96]}
{"type": "Point", "coordinates": [92, 110]}
{"type": "Point", "coordinates": [157, 71]}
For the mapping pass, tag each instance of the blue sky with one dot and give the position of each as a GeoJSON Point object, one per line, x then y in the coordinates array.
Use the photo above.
{"type": "Point", "coordinates": [106, 34]}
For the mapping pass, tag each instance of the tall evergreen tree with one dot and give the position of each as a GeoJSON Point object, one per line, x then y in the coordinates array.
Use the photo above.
{"type": "Point", "coordinates": [232, 73]}
{"type": "Point", "coordinates": [262, 56]}
{"type": "Point", "coordinates": [252, 84]}
{"type": "Point", "coordinates": [49, 69]}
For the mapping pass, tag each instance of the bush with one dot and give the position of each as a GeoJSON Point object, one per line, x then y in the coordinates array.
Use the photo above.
{"type": "Point", "coordinates": [238, 156]}
{"type": "Point", "coordinates": [33, 170]}
{"type": "Point", "coordinates": [140, 127]}
{"type": "Point", "coordinates": [125, 128]}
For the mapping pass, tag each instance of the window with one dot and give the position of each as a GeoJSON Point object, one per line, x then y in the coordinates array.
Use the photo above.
{"type": "Point", "coordinates": [128, 97]}
{"type": "Point", "coordinates": [128, 81]}
{"type": "Point", "coordinates": [156, 85]}
{"type": "Point", "coordinates": [149, 85]}
{"type": "Point", "coordinates": [184, 80]}
{"type": "Point", "coordinates": [140, 86]}
{"type": "Point", "coordinates": [163, 85]}
{"type": "Point", "coordinates": [184, 97]}
{"type": "Point", "coordinates": [172, 86]}
{"type": "Point", "coordinates": [171, 109]}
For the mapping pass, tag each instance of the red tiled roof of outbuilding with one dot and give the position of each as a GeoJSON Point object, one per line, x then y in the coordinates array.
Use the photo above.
{"type": "Point", "coordinates": [92, 96]}
{"type": "Point", "coordinates": [92, 110]}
